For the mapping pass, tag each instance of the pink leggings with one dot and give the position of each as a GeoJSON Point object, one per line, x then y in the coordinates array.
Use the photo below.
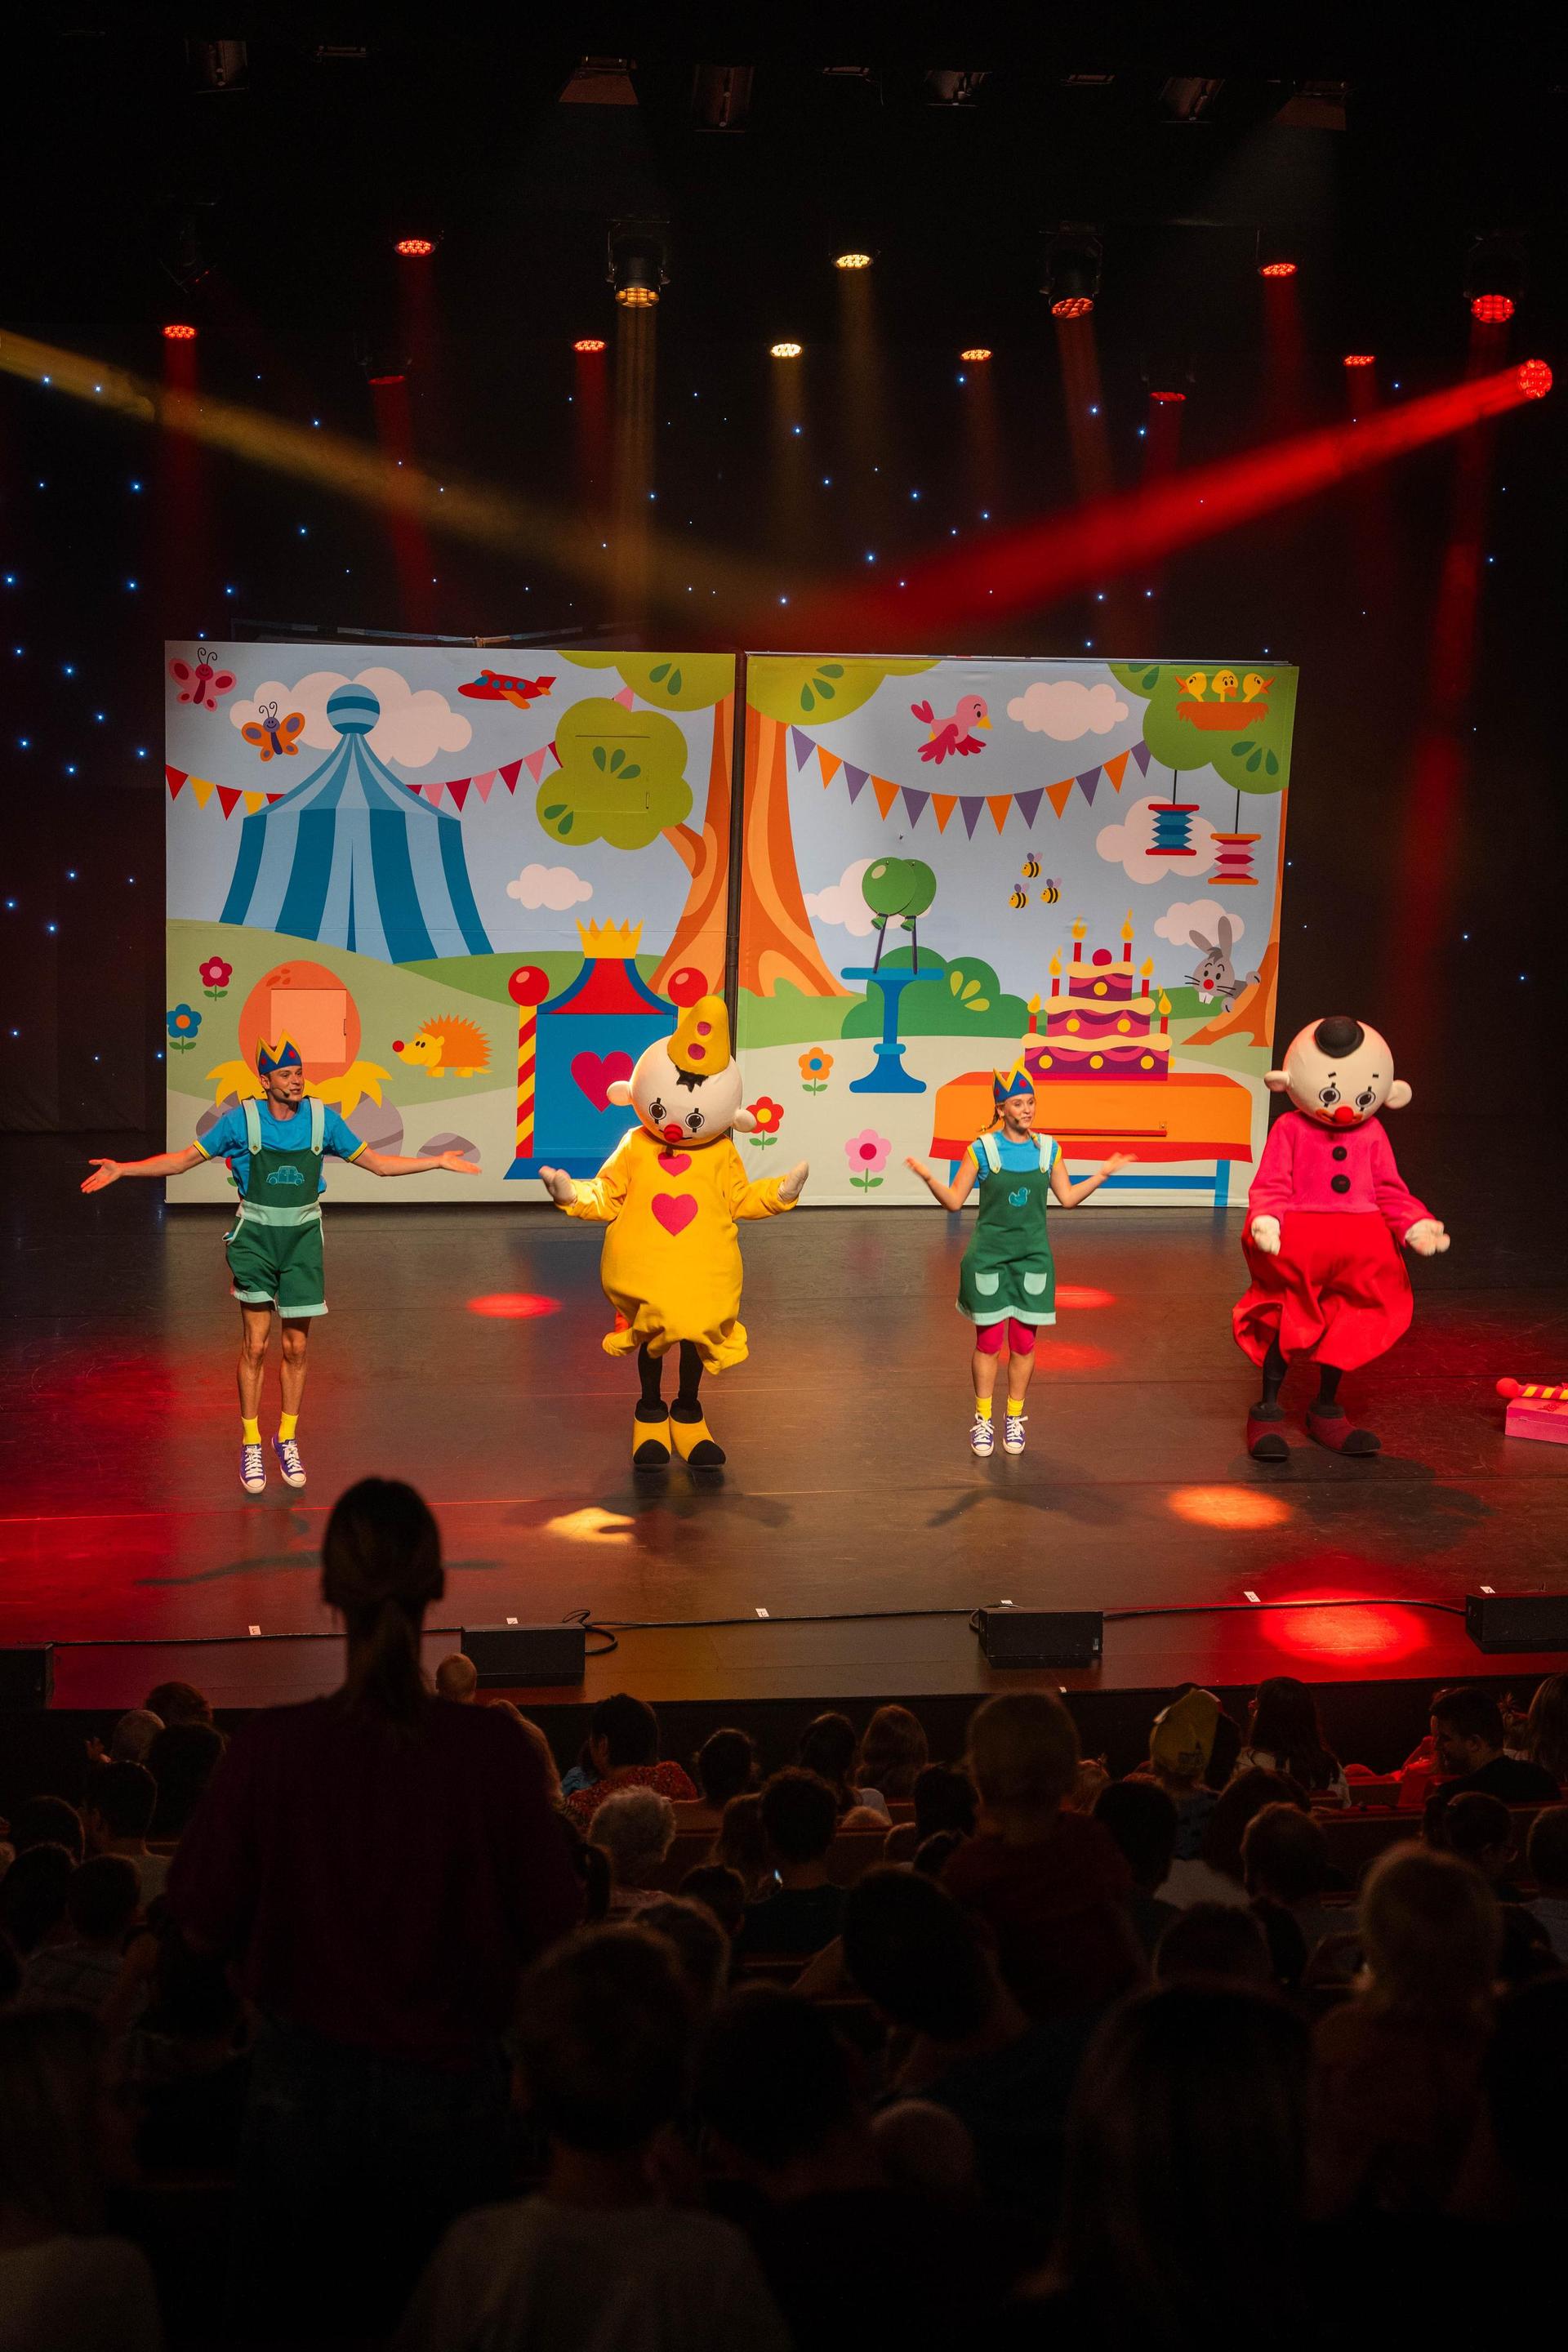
{"type": "Point", "coordinates": [1018, 1337]}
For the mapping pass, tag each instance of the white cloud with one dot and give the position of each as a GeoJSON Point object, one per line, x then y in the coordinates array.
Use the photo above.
{"type": "Point", "coordinates": [555, 886]}
{"type": "Point", "coordinates": [415, 723]}
{"type": "Point", "coordinates": [1130, 844]}
{"type": "Point", "coordinates": [1195, 915]}
{"type": "Point", "coordinates": [843, 902]}
{"type": "Point", "coordinates": [1066, 711]}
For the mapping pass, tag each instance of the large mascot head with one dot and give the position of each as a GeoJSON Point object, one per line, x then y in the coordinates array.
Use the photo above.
{"type": "Point", "coordinates": [1340, 1072]}
{"type": "Point", "coordinates": [687, 1089]}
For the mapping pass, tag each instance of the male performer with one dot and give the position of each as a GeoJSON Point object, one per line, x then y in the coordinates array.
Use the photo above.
{"type": "Point", "coordinates": [275, 1149]}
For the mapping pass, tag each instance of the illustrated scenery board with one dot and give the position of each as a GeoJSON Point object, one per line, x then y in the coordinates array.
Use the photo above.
{"type": "Point", "coordinates": [472, 895]}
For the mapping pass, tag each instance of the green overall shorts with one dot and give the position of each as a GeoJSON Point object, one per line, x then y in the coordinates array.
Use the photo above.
{"type": "Point", "coordinates": [275, 1249]}
{"type": "Point", "coordinates": [1007, 1268]}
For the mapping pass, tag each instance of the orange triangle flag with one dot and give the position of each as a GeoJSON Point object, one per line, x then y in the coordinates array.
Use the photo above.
{"type": "Point", "coordinates": [1057, 794]}
{"type": "Point", "coordinates": [253, 800]}
{"type": "Point", "coordinates": [203, 791]}
{"type": "Point", "coordinates": [887, 793]}
{"type": "Point", "coordinates": [227, 799]}
{"type": "Point", "coordinates": [942, 805]}
{"type": "Point", "coordinates": [830, 763]}
{"type": "Point", "coordinates": [999, 804]}
{"type": "Point", "coordinates": [1115, 768]}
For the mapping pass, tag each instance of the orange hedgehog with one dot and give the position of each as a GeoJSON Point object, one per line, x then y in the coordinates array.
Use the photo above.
{"type": "Point", "coordinates": [447, 1047]}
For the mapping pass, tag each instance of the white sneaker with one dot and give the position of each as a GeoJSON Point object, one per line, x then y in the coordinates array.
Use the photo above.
{"type": "Point", "coordinates": [1013, 1433]}
{"type": "Point", "coordinates": [253, 1469]}
{"type": "Point", "coordinates": [288, 1462]}
{"type": "Point", "coordinates": [981, 1437]}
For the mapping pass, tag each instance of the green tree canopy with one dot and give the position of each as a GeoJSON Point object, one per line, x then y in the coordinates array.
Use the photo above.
{"type": "Point", "coordinates": [809, 690]}
{"type": "Point", "coordinates": [621, 777]}
{"type": "Point", "coordinates": [672, 681]}
{"type": "Point", "coordinates": [1250, 755]}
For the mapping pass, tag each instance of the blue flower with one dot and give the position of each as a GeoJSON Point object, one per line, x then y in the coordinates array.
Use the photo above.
{"type": "Point", "coordinates": [181, 1022]}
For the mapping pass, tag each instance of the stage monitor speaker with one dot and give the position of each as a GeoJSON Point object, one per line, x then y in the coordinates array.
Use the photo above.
{"type": "Point", "coordinates": [1041, 1637]}
{"type": "Point", "coordinates": [27, 1678]}
{"type": "Point", "coordinates": [1517, 1621]}
{"type": "Point", "coordinates": [526, 1654]}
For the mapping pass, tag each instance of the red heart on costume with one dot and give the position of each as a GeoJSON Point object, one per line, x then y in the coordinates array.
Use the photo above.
{"type": "Point", "coordinates": [674, 1210]}
{"type": "Point", "coordinates": [675, 1163]}
{"type": "Point", "coordinates": [592, 1075]}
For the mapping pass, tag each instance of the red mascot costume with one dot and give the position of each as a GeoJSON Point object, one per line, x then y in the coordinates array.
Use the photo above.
{"type": "Point", "coordinates": [1325, 1217]}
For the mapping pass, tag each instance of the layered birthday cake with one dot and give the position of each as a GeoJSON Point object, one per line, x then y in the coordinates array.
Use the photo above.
{"type": "Point", "coordinates": [1104, 1026]}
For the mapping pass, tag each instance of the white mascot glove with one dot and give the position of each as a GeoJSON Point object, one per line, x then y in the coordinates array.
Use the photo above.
{"type": "Point", "coordinates": [1265, 1232]}
{"type": "Point", "coordinates": [792, 1185]}
{"type": "Point", "coordinates": [1428, 1237]}
{"type": "Point", "coordinates": [558, 1186]}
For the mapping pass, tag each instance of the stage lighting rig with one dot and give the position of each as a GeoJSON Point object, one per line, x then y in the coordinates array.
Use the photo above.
{"type": "Point", "coordinates": [1494, 278]}
{"type": "Point", "coordinates": [1070, 278]}
{"type": "Point", "coordinates": [1275, 254]}
{"type": "Point", "coordinates": [1168, 376]}
{"type": "Point", "coordinates": [637, 263]}
{"type": "Point", "coordinates": [721, 97]}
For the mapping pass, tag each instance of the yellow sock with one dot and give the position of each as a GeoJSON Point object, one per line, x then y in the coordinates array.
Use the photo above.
{"type": "Point", "coordinates": [288, 1423]}
{"type": "Point", "coordinates": [1015, 1407]}
{"type": "Point", "coordinates": [250, 1432]}
{"type": "Point", "coordinates": [982, 1407]}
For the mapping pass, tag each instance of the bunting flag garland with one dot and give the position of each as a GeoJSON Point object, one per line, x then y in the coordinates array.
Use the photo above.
{"type": "Point", "coordinates": [855, 779]}
{"type": "Point", "coordinates": [229, 796]}
{"type": "Point", "coordinates": [1115, 768]}
{"type": "Point", "coordinates": [1143, 754]}
{"type": "Point", "coordinates": [1087, 783]}
{"type": "Point", "coordinates": [829, 762]}
{"type": "Point", "coordinates": [1057, 794]}
{"type": "Point", "coordinates": [915, 804]}
{"type": "Point", "coordinates": [509, 774]}
{"type": "Point", "coordinates": [483, 784]}
{"type": "Point", "coordinates": [174, 778]}
{"type": "Point", "coordinates": [885, 792]}
{"type": "Point", "coordinates": [971, 803]}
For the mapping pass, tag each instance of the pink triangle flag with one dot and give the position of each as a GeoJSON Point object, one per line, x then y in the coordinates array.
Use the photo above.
{"type": "Point", "coordinates": [534, 764]}
{"type": "Point", "coordinates": [483, 784]}
{"type": "Point", "coordinates": [624, 697]}
{"type": "Point", "coordinates": [433, 795]}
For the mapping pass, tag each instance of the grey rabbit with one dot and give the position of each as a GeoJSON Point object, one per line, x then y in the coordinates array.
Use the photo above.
{"type": "Point", "coordinates": [1216, 975]}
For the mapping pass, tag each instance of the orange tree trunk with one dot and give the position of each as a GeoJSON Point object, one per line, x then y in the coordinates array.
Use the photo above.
{"type": "Point", "coordinates": [777, 938]}
{"type": "Point", "coordinates": [699, 933]}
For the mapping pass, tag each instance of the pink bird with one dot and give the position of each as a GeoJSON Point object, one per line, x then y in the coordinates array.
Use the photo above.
{"type": "Point", "coordinates": [952, 734]}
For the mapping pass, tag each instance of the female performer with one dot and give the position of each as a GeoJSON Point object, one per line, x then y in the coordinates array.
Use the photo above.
{"type": "Point", "coordinates": [1007, 1283]}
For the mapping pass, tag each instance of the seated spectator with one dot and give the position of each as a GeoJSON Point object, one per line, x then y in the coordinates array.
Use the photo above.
{"type": "Point", "coordinates": [84, 1963]}
{"type": "Point", "coordinates": [1214, 1873]}
{"type": "Point", "coordinates": [933, 1854]}
{"type": "Point", "coordinates": [635, 1828]}
{"type": "Point", "coordinates": [133, 1735]}
{"type": "Point", "coordinates": [33, 1897]}
{"type": "Point", "coordinates": [1546, 1859]}
{"type": "Point", "coordinates": [945, 1805]}
{"type": "Point", "coordinates": [186, 2059]}
{"type": "Point", "coordinates": [1479, 1829]}
{"type": "Point", "coordinates": [176, 1703]}
{"type": "Point", "coordinates": [182, 1760]}
{"type": "Point", "coordinates": [1285, 1860]}
{"type": "Point", "coordinates": [893, 1754]}
{"type": "Point", "coordinates": [1142, 1818]}
{"type": "Point", "coordinates": [1214, 1943]}
{"type": "Point", "coordinates": [1467, 1748]}
{"type": "Point", "coordinates": [1051, 1885]}
{"type": "Point", "coordinates": [594, 2260]}
{"type": "Point", "coordinates": [1284, 1735]}
{"type": "Point", "coordinates": [63, 2284]}
{"type": "Point", "coordinates": [925, 2151]}
{"type": "Point", "coordinates": [726, 1766]}
{"type": "Point", "coordinates": [742, 1845]}
{"type": "Point", "coordinates": [1546, 1728]}
{"type": "Point", "coordinates": [723, 1891]}
{"type": "Point", "coordinates": [850, 2259]}
{"type": "Point", "coordinates": [458, 1678]}
{"type": "Point", "coordinates": [799, 1817]}
{"type": "Point", "coordinates": [829, 1748]}
{"type": "Point", "coordinates": [1180, 1743]}
{"type": "Point", "coordinates": [115, 1817]}
{"type": "Point", "coordinates": [1399, 2066]}
{"type": "Point", "coordinates": [623, 1745]}
{"type": "Point", "coordinates": [699, 1941]}
{"type": "Point", "coordinates": [1186, 2176]}
{"type": "Point", "coordinates": [48, 1820]}
{"type": "Point", "coordinates": [965, 2042]}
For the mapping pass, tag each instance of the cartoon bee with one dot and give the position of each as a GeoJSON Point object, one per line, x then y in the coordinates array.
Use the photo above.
{"type": "Point", "coordinates": [204, 684]}
{"type": "Point", "coordinates": [1030, 868]}
{"type": "Point", "coordinates": [1018, 897]}
{"type": "Point", "coordinates": [274, 736]}
{"type": "Point", "coordinates": [1052, 891]}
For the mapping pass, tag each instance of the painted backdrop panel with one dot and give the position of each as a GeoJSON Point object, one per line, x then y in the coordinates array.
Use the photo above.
{"type": "Point", "coordinates": [948, 862]}
{"type": "Point", "coordinates": [465, 892]}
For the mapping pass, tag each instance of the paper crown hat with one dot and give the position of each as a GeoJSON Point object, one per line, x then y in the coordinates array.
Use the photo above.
{"type": "Point", "coordinates": [702, 1041]}
{"type": "Point", "coordinates": [284, 1056]}
{"type": "Point", "coordinates": [1184, 1734]}
{"type": "Point", "coordinates": [1015, 1081]}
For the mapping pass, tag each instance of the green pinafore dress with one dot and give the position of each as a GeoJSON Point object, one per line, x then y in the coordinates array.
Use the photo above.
{"type": "Point", "coordinates": [275, 1250]}
{"type": "Point", "coordinates": [1007, 1268]}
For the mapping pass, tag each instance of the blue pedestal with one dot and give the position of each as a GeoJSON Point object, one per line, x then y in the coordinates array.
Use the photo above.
{"type": "Point", "coordinates": [886, 1075]}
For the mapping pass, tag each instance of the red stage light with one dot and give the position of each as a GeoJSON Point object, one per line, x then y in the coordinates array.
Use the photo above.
{"type": "Point", "coordinates": [179, 334]}
{"type": "Point", "coordinates": [589, 343]}
{"type": "Point", "coordinates": [1072, 1356]}
{"type": "Point", "coordinates": [1492, 309]}
{"type": "Point", "coordinates": [415, 248]}
{"type": "Point", "coordinates": [513, 1306]}
{"type": "Point", "coordinates": [1166, 399]}
{"type": "Point", "coordinates": [1277, 269]}
{"type": "Point", "coordinates": [1072, 306]}
{"type": "Point", "coordinates": [398, 378]}
{"type": "Point", "coordinates": [975, 353]}
{"type": "Point", "coordinates": [1535, 379]}
{"type": "Point", "coordinates": [1083, 1294]}
{"type": "Point", "coordinates": [1360, 359]}
{"type": "Point", "coordinates": [1229, 1507]}
{"type": "Point", "coordinates": [1351, 1634]}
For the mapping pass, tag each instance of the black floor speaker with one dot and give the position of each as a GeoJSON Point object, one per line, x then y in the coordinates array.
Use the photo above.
{"type": "Point", "coordinates": [1517, 1621]}
{"type": "Point", "coordinates": [1041, 1637]}
{"type": "Point", "coordinates": [526, 1654]}
{"type": "Point", "coordinates": [27, 1678]}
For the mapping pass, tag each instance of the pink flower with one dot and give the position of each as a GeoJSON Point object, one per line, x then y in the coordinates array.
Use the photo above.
{"type": "Point", "coordinates": [867, 1153]}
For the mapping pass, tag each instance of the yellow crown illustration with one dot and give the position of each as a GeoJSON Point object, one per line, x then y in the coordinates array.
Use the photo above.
{"type": "Point", "coordinates": [610, 940]}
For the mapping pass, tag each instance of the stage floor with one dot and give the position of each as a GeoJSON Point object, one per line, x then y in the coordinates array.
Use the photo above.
{"type": "Point", "coordinates": [850, 1486]}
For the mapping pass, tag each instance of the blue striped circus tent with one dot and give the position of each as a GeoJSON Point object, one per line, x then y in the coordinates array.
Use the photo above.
{"type": "Point", "coordinates": [353, 857]}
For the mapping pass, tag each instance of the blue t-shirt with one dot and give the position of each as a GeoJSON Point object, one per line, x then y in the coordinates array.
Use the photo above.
{"type": "Point", "coordinates": [1015, 1157]}
{"type": "Point", "coordinates": [226, 1141]}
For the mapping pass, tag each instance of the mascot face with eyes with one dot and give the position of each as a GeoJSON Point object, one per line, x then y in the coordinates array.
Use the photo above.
{"type": "Point", "coordinates": [1340, 1073]}
{"type": "Point", "coordinates": [687, 1089]}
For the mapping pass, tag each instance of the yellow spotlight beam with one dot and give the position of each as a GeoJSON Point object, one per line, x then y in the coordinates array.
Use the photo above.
{"type": "Point", "coordinates": [475, 511]}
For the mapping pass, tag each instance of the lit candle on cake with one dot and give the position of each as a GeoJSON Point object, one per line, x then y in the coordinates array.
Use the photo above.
{"type": "Point", "coordinates": [1034, 1030]}
{"type": "Point", "coordinates": [1078, 932]}
{"type": "Point", "coordinates": [1127, 939]}
{"type": "Point", "coordinates": [1056, 975]}
{"type": "Point", "coordinates": [1144, 969]}
{"type": "Point", "coordinates": [1164, 1012]}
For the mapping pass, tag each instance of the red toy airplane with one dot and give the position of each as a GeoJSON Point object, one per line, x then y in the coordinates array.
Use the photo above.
{"type": "Point", "coordinates": [491, 687]}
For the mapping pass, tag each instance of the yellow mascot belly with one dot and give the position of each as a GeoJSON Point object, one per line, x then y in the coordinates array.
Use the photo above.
{"type": "Point", "coordinates": [671, 1264]}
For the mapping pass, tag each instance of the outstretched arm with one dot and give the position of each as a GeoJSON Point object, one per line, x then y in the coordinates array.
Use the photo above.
{"type": "Point", "coordinates": [952, 1196]}
{"type": "Point", "coordinates": [166, 1163]}
{"type": "Point", "coordinates": [599, 1203]}
{"type": "Point", "coordinates": [390, 1163]}
{"type": "Point", "coordinates": [1070, 1195]}
{"type": "Point", "coordinates": [769, 1197]}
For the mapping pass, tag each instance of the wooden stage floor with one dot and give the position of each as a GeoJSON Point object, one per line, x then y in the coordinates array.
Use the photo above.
{"type": "Point", "coordinates": [850, 1488]}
